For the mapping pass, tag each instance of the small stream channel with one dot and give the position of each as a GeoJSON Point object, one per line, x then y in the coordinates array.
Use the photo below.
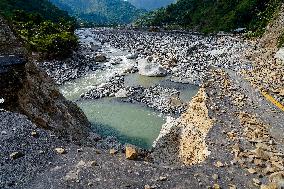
{"type": "Point", "coordinates": [130, 123]}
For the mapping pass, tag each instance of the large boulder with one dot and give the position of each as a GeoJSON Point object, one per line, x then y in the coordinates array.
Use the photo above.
{"type": "Point", "coordinates": [122, 93]}
{"type": "Point", "coordinates": [131, 153]}
{"type": "Point", "coordinates": [151, 69]}
{"type": "Point", "coordinates": [100, 58]}
{"type": "Point", "coordinates": [132, 56]}
{"type": "Point", "coordinates": [94, 47]}
{"type": "Point", "coordinates": [280, 54]}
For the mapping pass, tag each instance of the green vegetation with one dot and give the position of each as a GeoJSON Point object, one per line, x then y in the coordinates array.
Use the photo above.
{"type": "Point", "coordinates": [100, 12]}
{"type": "Point", "coordinates": [281, 41]}
{"type": "Point", "coordinates": [43, 7]}
{"type": "Point", "coordinates": [44, 28]}
{"type": "Point", "coordinates": [215, 15]}
{"type": "Point", "coordinates": [264, 16]}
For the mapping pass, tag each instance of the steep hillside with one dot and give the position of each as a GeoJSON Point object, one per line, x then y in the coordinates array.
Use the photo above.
{"type": "Point", "coordinates": [28, 90]}
{"type": "Point", "coordinates": [150, 4]}
{"type": "Point", "coordinates": [268, 72]}
{"type": "Point", "coordinates": [42, 7]}
{"type": "Point", "coordinates": [212, 16]}
{"type": "Point", "coordinates": [100, 11]}
{"type": "Point", "coordinates": [43, 27]}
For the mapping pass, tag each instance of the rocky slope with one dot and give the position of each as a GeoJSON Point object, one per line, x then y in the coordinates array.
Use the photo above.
{"type": "Point", "coordinates": [268, 72]}
{"type": "Point", "coordinates": [252, 127]}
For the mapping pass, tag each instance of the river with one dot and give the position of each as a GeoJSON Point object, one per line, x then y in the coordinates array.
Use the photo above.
{"type": "Point", "coordinates": [129, 122]}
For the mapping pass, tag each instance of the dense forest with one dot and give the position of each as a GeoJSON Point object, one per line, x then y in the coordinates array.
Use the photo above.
{"type": "Point", "coordinates": [42, 7]}
{"type": "Point", "coordinates": [100, 12]}
{"type": "Point", "coordinates": [214, 15]}
{"type": "Point", "coordinates": [150, 4]}
{"type": "Point", "coordinates": [44, 27]}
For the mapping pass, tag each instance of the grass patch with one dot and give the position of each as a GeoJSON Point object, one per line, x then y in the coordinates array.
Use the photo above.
{"type": "Point", "coordinates": [281, 40]}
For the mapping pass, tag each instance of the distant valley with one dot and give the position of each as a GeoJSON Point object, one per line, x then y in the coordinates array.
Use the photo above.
{"type": "Point", "coordinates": [100, 12]}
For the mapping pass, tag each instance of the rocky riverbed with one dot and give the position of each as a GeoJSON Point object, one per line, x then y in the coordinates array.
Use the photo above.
{"type": "Point", "coordinates": [186, 57]}
{"type": "Point", "coordinates": [176, 57]}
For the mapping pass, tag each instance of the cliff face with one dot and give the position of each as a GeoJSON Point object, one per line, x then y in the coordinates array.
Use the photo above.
{"type": "Point", "coordinates": [28, 90]}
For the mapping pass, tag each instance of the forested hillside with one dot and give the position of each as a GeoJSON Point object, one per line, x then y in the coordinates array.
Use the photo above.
{"type": "Point", "coordinates": [215, 15]}
{"type": "Point", "coordinates": [42, 7]}
{"type": "Point", "coordinates": [150, 4]}
{"type": "Point", "coordinates": [101, 12]}
{"type": "Point", "coordinates": [44, 27]}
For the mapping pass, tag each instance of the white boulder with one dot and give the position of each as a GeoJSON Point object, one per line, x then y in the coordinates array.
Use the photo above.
{"type": "Point", "coordinates": [122, 93]}
{"type": "Point", "coordinates": [132, 56]}
{"type": "Point", "coordinates": [280, 54]}
{"type": "Point", "coordinates": [151, 69]}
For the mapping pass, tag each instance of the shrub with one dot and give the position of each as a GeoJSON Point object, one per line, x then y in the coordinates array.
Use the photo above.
{"type": "Point", "coordinates": [50, 39]}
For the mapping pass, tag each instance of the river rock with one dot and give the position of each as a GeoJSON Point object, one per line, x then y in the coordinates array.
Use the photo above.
{"type": "Point", "coordinates": [280, 54]}
{"type": "Point", "coordinates": [122, 93]}
{"type": "Point", "coordinates": [60, 150]}
{"type": "Point", "coordinates": [116, 61]}
{"type": "Point", "coordinates": [94, 47]}
{"type": "Point", "coordinates": [256, 181]}
{"type": "Point", "coordinates": [132, 56]}
{"type": "Point", "coordinates": [130, 153]}
{"type": "Point", "coordinates": [162, 178]}
{"type": "Point", "coordinates": [16, 155]}
{"type": "Point", "coordinates": [94, 163]}
{"type": "Point", "coordinates": [151, 69]}
{"type": "Point", "coordinates": [129, 69]}
{"type": "Point", "coordinates": [34, 134]}
{"type": "Point", "coordinates": [277, 177]}
{"type": "Point", "coordinates": [100, 58]}
{"type": "Point", "coordinates": [113, 151]}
